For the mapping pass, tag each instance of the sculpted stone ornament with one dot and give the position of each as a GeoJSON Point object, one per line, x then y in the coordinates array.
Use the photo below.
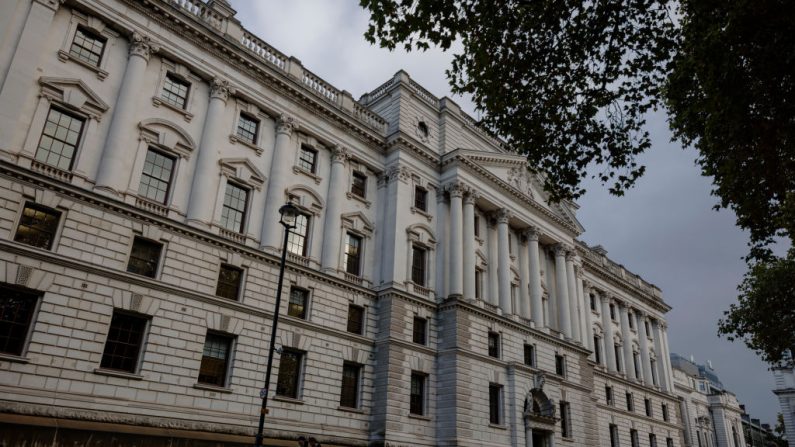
{"type": "Point", "coordinates": [471, 197]}
{"type": "Point", "coordinates": [143, 46]}
{"type": "Point", "coordinates": [539, 379]}
{"type": "Point", "coordinates": [339, 154]}
{"type": "Point", "coordinates": [455, 189]}
{"type": "Point", "coordinates": [220, 88]}
{"type": "Point", "coordinates": [532, 234]}
{"type": "Point", "coordinates": [520, 179]}
{"type": "Point", "coordinates": [286, 124]}
{"type": "Point", "coordinates": [504, 215]}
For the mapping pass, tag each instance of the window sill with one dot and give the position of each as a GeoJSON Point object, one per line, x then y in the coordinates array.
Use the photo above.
{"type": "Point", "coordinates": [316, 178]}
{"type": "Point", "coordinates": [498, 426]}
{"type": "Point", "coordinates": [351, 410]}
{"type": "Point", "coordinates": [358, 198]}
{"type": "Point", "coordinates": [64, 56]}
{"type": "Point", "coordinates": [419, 416]}
{"type": "Point", "coordinates": [157, 102]}
{"type": "Point", "coordinates": [288, 400]}
{"type": "Point", "coordinates": [120, 374]}
{"type": "Point", "coordinates": [234, 139]}
{"type": "Point", "coordinates": [13, 358]}
{"type": "Point", "coordinates": [425, 214]}
{"type": "Point", "coordinates": [567, 438]}
{"type": "Point", "coordinates": [217, 389]}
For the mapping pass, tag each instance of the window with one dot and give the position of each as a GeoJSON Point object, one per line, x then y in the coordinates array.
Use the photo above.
{"type": "Point", "coordinates": [646, 325]}
{"type": "Point", "coordinates": [215, 359]}
{"type": "Point", "coordinates": [617, 350]}
{"type": "Point", "coordinates": [597, 349]}
{"type": "Point", "coordinates": [565, 419]}
{"type": "Point", "coordinates": [477, 226]}
{"type": "Point", "coordinates": [296, 240]}
{"type": "Point", "coordinates": [87, 46]}
{"type": "Point", "coordinates": [593, 301]}
{"type": "Point", "coordinates": [630, 402]}
{"type": "Point", "coordinates": [495, 403]}
{"type": "Point", "coordinates": [289, 373]}
{"type": "Point", "coordinates": [420, 329]}
{"type": "Point", "coordinates": [417, 398]}
{"type": "Point", "coordinates": [647, 404]}
{"type": "Point", "coordinates": [37, 226]}
{"type": "Point", "coordinates": [653, 365]}
{"type": "Point", "coordinates": [247, 128]}
{"type": "Point", "coordinates": [233, 213]}
{"type": "Point", "coordinates": [665, 412]}
{"type": "Point", "coordinates": [418, 265]}
{"type": "Point", "coordinates": [299, 300]}
{"type": "Point", "coordinates": [144, 257]}
{"type": "Point", "coordinates": [307, 159]}
{"type": "Point", "coordinates": [636, 362]}
{"type": "Point", "coordinates": [612, 312]}
{"type": "Point", "coordinates": [560, 365]}
{"type": "Point", "coordinates": [652, 440]}
{"type": "Point", "coordinates": [59, 139]}
{"type": "Point", "coordinates": [669, 442]}
{"type": "Point", "coordinates": [355, 318]}
{"type": "Point", "coordinates": [349, 391]}
{"type": "Point", "coordinates": [16, 313]}
{"type": "Point", "coordinates": [175, 91]}
{"type": "Point", "coordinates": [609, 395]}
{"type": "Point", "coordinates": [353, 253]}
{"type": "Point", "coordinates": [698, 436]}
{"type": "Point", "coordinates": [494, 345]}
{"type": "Point", "coordinates": [124, 342]}
{"type": "Point", "coordinates": [229, 281]}
{"type": "Point", "coordinates": [421, 198]}
{"type": "Point", "coordinates": [614, 442]}
{"type": "Point", "coordinates": [529, 355]}
{"type": "Point", "coordinates": [633, 438]}
{"type": "Point", "coordinates": [631, 320]}
{"type": "Point", "coordinates": [156, 176]}
{"type": "Point", "coordinates": [478, 284]}
{"type": "Point", "coordinates": [359, 184]}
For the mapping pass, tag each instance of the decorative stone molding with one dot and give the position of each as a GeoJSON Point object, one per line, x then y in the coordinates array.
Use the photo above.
{"type": "Point", "coordinates": [340, 154]}
{"type": "Point", "coordinates": [166, 135]}
{"type": "Point", "coordinates": [471, 197]}
{"type": "Point", "coordinates": [220, 88]}
{"type": "Point", "coordinates": [286, 124]}
{"type": "Point", "coordinates": [401, 173]}
{"type": "Point", "coordinates": [242, 170]}
{"type": "Point", "coordinates": [455, 189]}
{"type": "Point", "coordinates": [532, 234]}
{"type": "Point", "coordinates": [560, 249]}
{"type": "Point", "coordinates": [74, 94]}
{"type": "Point", "coordinates": [143, 46]}
{"type": "Point", "coordinates": [503, 215]}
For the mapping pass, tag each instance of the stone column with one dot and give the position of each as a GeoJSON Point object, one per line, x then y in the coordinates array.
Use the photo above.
{"type": "Point", "coordinates": [528, 435]}
{"type": "Point", "coordinates": [662, 374]}
{"type": "Point", "coordinates": [493, 282]}
{"type": "Point", "coordinates": [607, 324]}
{"type": "Point", "coordinates": [667, 356]}
{"type": "Point", "coordinates": [456, 263]}
{"type": "Point", "coordinates": [645, 360]}
{"type": "Point", "coordinates": [503, 263]}
{"type": "Point", "coordinates": [562, 298]}
{"type": "Point", "coordinates": [332, 226]}
{"type": "Point", "coordinates": [442, 211]}
{"type": "Point", "coordinates": [524, 281]}
{"type": "Point", "coordinates": [204, 188]}
{"type": "Point", "coordinates": [469, 245]}
{"type": "Point", "coordinates": [585, 302]}
{"type": "Point", "coordinates": [115, 166]}
{"type": "Point", "coordinates": [629, 364]}
{"type": "Point", "coordinates": [536, 294]}
{"type": "Point", "coordinates": [572, 295]}
{"type": "Point", "coordinates": [274, 199]}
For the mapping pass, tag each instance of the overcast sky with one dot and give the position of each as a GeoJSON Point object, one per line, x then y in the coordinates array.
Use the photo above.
{"type": "Point", "coordinates": [664, 229]}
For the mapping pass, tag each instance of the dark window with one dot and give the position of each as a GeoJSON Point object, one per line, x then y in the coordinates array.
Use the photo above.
{"type": "Point", "coordinates": [565, 420]}
{"type": "Point", "coordinates": [175, 91]}
{"type": "Point", "coordinates": [529, 355]}
{"type": "Point", "coordinates": [633, 438]}
{"type": "Point", "coordinates": [307, 160]}
{"type": "Point", "coordinates": [299, 298]}
{"type": "Point", "coordinates": [617, 350]}
{"type": "Point", "coordinates": [289, 373]}
{"type": "Point", "coordinates": [646, 324]}
{"type": "Point", "coordinates": [349, 392]}
{"type": "Point", "coordinates": [477, 226]}
{"type": "Point", "coordinates": [125, 339]}
{"type": "Point", "coordinates": [156, 176]}
{"type": "Point", "coordinates": [597, 349]}
{"type": "Point", "coordinates": [144, 257]}
{"type": "Point", "coordinates": [698, 436]}
{"type": "Point", "coordinates": [215, 359]}
{"type": "Point", "coordinates": [247, 127]}
{"type": "Point", "coordinates": [37, 226]}
{"type": "Point", "coordinates": [229, 281]}
{"type": "Point", "coordinates": [613, 312]}
{"type": "Point", "coordinates": [353, 253]}
{"type": "Point", "coordinates": [609, 395]}
{"type": "Point", "coordinates": [16, 314]}
{"type": "Point", "coordinates": [665, 412]}
{"type": "Point", "coordinates": [652, 440]}
{"type": "Point", "coordinates": [59, 139]}
{"type": "Point", "coordinates": [593, 301]}
{"type": "Point", "coordinates": [631, 320]}
{"type": "Point", "coordinates": [420, 330]}
{"type": "Point", "coordinates": [653, 365]}
{"type": "Point", "coordinates": [417, 398]}
{"type": "Point", "coordinates": [669, 442]}
{"type": "Point", "coordinates": [233, 213]}
{"type": "Point", "coordinates": [647, 404]}
{"type": "Point", "coordinates": [630, 402]}
{"type": "Point", "coordinates": [494, 344]}
{"type": "Point", "coordinates": [495, 403]}
{"type": "Point", "coordinates": [359, 184]}
{"type": "Point", "coordinates": [478, 284]}
{"type": "Point", "coordinates": [296, 240]}
{"type": "Point", "coordinates": [355, 318]}
{"type": "Point", "coordinates": [560, 365]}
{"type": "Point", "coordinates": [423, 128]}
{"type": "Point", "coordinates": [636, 362]}
{"type": "Point", "coordinates": [87, 46]}
{"type": "Point", "coordinates": [420, 198]}
{"type": "Point", "coordinates": [614, 442]}
{"type": "Point", "coordinates": [418, 265]}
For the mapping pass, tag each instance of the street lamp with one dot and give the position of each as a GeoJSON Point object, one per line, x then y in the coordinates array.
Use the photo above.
{"type": "Point", "coordinates": [288, 212]}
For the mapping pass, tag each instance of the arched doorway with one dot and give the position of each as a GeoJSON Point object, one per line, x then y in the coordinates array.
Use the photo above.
{"type": "Point", "coordinates": [539, 416]}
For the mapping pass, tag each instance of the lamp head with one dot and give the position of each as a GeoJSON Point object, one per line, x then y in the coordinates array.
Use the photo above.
{"type": "Point", "coordinates": [289, 213]}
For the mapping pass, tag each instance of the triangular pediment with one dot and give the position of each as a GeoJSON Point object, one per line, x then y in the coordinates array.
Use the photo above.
{"type": "Point", "coordinates": [75, 94]}
{"type": "Point", "coordinates": [243, 170]}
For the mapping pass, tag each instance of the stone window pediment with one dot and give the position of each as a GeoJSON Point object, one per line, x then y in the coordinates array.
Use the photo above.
{"type": "Point", "coordinates": [358, 222]}
{"type": "Point", "coordinates": [422, 234]}
{"type": "Point", "coordinates": [167, 136]}
{"type": "Point", "coordinates": [73, 94]}
{"type": "Point", "coordinates": [242, 171]}
{"type": "Point", "coordinates": [306, 199]}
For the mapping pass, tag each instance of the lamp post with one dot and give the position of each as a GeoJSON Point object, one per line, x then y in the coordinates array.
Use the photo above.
{"type": "Point", "coordinates": [288, 214]}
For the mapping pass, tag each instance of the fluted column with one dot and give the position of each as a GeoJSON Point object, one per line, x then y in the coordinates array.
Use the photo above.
{"type": "Point", "coordinates": [536, 298]}
{"type": "Point", "coordinates": [271, 230]}
{"type": "Point", "coordinates": [562, 298]}
{"type": "Point", "coordinates": [629, 367]}
{"type": "Point", "coordinates": [503, 261]}
{"type": "Point", "coordinates": [332, 226]}
{"type": "Point", "coordinates": [469, 244]}
{"type": "Point", "coordinates": [645, 360]}
{"type": "Point", "coordinates": [586, 309]}
{"type": "Point", "coordinates": [524, 281]}
{"type": "Point", "coordinates": [117, 159]}
{"type": "Point", "coordinates": [662, 374]}
{"type": "Point", "coordinates": [456, 263]}
{"type": "Point", "coordinates": [607, 325]}
{"type": "Point", "coordinates": [493, 282]}
{"type": "Point", "coordinates": [443, 244]}
{"type": "Point", "coordinates": [574, 309]}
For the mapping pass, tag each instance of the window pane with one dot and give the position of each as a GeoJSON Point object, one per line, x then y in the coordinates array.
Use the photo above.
{"type": "Point", "coordinates": [418, 266]}
{"type": "Point", "coordinates": [144, 257]}
{"type": "Point", "coordinates": [494, 344]}
{"type": "Point", "coordinates": [296, 240]}
{"type": "Point", "coordinates": [289, 372]}
{"type": "Point", "coordinates": [420, 198]}
{"type": "Point", "coordinates": [16, 312]}
{"type": "Point", "coordinates": [234, 209]}
{"type": "Point", "coordinates": [355, 319]}
{"type": "Point", "coordinates": [37, 226]}
{"type": "Point", "coordinates": [298, 301]}
{"type": "Point", "coordinates": [87, 47]}
{"type": "Point", "coordinates": [59, 139]}
{"type": "Point", "coordinates": [529, 355]}
{"type": "Point", "coordinates": [307, 159]}
{"type": "Point", "coordinates": [352, 254]}
{"type": "Point", "coordinates": [247, 127]}
{"type": "Point", "coordinates": [349, 393]}
{"type": "Point", "coordinates": [215, 359]}
{"type": "Point", "coordinates": [494, 404]}
{"type": "Point", "coordinates": [156, 176]}
{"type": "Point", "coordinates": [420, 327]}
{"type": "Point", "coordinates": [359, 184]}
{"type": "Point", "coordinates": [417, 398]}
{"type": "Point", "coordinates": [229, 280]}
{"type": "Point", "coordinates": [124, 342]}
{"type": "Point", "coordinates": [175, 91]}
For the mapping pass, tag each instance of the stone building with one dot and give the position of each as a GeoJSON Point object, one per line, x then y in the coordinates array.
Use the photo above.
{"type": "Point", "coordinates": [785, 391]}
{"type": "Point", "coordinates": [433, 296]}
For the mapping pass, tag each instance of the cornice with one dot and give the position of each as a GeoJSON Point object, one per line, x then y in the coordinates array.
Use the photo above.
{"type": "Point", "coordinates": [598, 270]}
{"type": "Point", "coordinates": [634, 385]}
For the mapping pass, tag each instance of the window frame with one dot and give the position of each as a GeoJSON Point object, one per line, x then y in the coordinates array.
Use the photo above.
{"type": "Point", "coordinates": [146, 320]}
{"type": "Point", "coordinates": [228, 360]}
{"type": "Point", "coordinates": [560, 365]}
{"type": "Point", "coordinates": [7, 289]}
{"type": "Point", "coordinates": [362, 322]}
{"type": "Point", "coordinates": [300, 239]}
{"type": "Point", "coordinates": [419, 271]}
{"type": "Point", "coordinates": [299, 373]}
{"type": "Point", "coordinates": [349, 235]}
{"type": "Point", "coordinates": [304, 315]}
{"type": "Point", "coordinates": [240, 283]}
{"type": "Point", "coordinates": [493, 345]}
{"type": "Point", "coordinates": [305, 148]}
{"type": "Point", "coordinates": [648, 407]}
{"type": "Point", "coordinates": [56, 233]}
{"type": "Point", "coordinates": [615, 440]}
{"type": "Point", "coordinates": [358, 184]}
{"type": "Point", "coordinates": [652, 440]}
{"type": "Point", "coordinates": [565, 420]}
{"type": "Point", "coordinates": [63, 110]}
{"type": "Point", "coordinates": [174, 78]}
{"type": "Point", "coordinates": [223, 222]}
{"type": "Point", "coordinates": [245, 115]}
{"type": "Point", "coordinates": [93, 34]}
{"type": "Point", "coordinates": [530, 357]}
{"type": "Point", "coordinates": [634, 440]}
{"type": "Point", "coordinates": [357, 388]}
{"type": "Point", "coordinates": [419, 330]}
{"type": "Point", "coordinates": [169, 184]}
{"type": "Point", "coordinates": [610, 398]}
{"type": "Point", "coordinates": [630, 402]}
{"type": "Point", "coordinates": [597, 349]}
{"type": "Point", "coordinates": [420, 402]}
{"type": "Point", "coordinates": [496, 404]}
{"type": "Point", "coordinates": [159, 263]}
{"type": "Point", "coordinates": [664, 410]}
{"type": "Point", "coordinates": [421, 198]}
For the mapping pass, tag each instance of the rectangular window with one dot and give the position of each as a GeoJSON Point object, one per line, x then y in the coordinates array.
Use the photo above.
{"type": "Point", "coordinates": [631, 320]}
{"type": "Point", "coordinates": [636, 362]}
{"type": "Point", "coordinates": [652, 440]}
{"type": "Point", "coordinates": [296, 240]}
{"type": "Point", "coordinates": [307, 159]}
{"type": "Point", "coordinates": [653, 365]}
{"type": "Point", "coordinates": [156, 176]}
{"type": "Point", "coordinates": [593, 301]}
{"type": "Point", "coordinates": [494, 345]}
{"type": "Point", "coordinates": [299, 300]}
{"type": "Point", "coordinates": [630, 402]}
{"type": "Point", "coordinates": [87, 46]}
{"type": "Point", "coordinates": [609, 395]}
{"type": "Point", "coordinates": [144, 257]}
{"type": "Point", "coordinates": [617, 351]}
{"type": "Point", "coordinates": [233, 214]}
{"type": "Point", "coordinates": [614, 442]}
{"type": "Point", "coordinates": [669, 442]}
{"type": "Point", "coordinates": [124, 342]}
{"type": "Point", "coordinates": [175, 91]}
{"type": "Point", "coordinates": [349, 391]}
{"type": "Point", "coordinates": [420, 330]}
{"type": "Point", "coordinates": [560, 365]}
{"type": "Point", "coordinates": [355, 318]}
{"type": "Point", "coordinates": [495, 403]}
{"type": "Point", "coordinates": [613, 312]}
{"type": "Point", "coordinates": [597, 349]}
{"type": "Point", "coordinates": [633, 438]}
{"type": "Point", "coordinates": [353, 253]}
{"type": "Point", "coordinates": [229, 280]}
{"type": "Point", "coordinates": [529, 355]}
{"type": "Point", "coordinates": [665, 412]}
{"type": "Point", "coordinates": [647, 404]}
{"type": "Point", "coordinates": [59, 139]}
{"type": "Point", "coordinates": [565, 419]}
{"type": "Point", "coordinates": [37, 226]}
{"type": "Point", "coordinates": [477, 226]}
{"type": "Point", "coordinates": [417, 398]}
{"type": "Point", "coordinates": [418, 265]}
{"type": "Point", "coordinates": [359, 184]}
{"type": "Point", "coordinates": [421, 198]}
{"type": "Point", "coordinates": [289, 373]}
{"type": "Point", "coordinates": [215, 359]}
{"type": "Point", "coordinates": [247, 128]}
{"type": "Point", "coordinates": [16, 314]}
{"type": "Point", "coordinates": [478, 284]}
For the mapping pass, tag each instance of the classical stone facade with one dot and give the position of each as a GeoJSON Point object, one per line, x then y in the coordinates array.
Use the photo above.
{"type": "Point", "coordinates": [785, 391]}
{"type": "Point", "coordinates": [433, 296]}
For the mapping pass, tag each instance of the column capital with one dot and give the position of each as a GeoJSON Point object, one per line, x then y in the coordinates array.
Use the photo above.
{"type": "Point", "coordinates": [286, 124]}
{"type": "Point", "coordinates": [471, 197]}
{"type": "Point", "coordinates": [503, 215]}
{"type": "Point", "coordinates": [532, 233]}
{"type": "Point", "coordinates": [52, 4]}
{"type": "Point", "coordinates": [561, 249]}
{"type": "Point", "coordinates": [220, 88]}
{"type": "Point", "coordinates": [455, 189]}
{"type": "Point", "coordinates": [143, 46]}
{"type": "Point", "coordinates": [398, 172]}
{"type": "Point", "coordinates": [339, 154]}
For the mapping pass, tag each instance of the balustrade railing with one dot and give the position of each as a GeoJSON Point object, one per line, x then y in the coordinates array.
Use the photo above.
{"type": "Point", "coordinates": [199, 9]}
{"type": "Point", "coordinates": [264, 51]}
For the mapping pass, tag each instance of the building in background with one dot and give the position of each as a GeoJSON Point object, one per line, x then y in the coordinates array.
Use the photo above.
{"type": "Point", "coordinates": [785, 391]}
{"type": "Point", "coordinates": [433, 296]}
